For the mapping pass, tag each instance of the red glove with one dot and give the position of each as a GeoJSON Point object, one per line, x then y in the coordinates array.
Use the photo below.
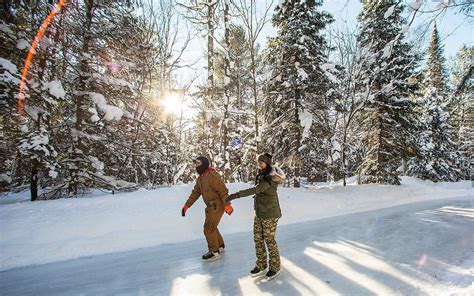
{"type": "Point", "coordinates": [228, 209]}
{"type": "Point", "coordinates": [183, 210]}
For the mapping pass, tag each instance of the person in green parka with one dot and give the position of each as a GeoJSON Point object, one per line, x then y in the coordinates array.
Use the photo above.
{"type": "Point", "coordinates": [267, 213]}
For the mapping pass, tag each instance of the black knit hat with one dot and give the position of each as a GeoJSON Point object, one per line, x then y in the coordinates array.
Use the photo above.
{"type": "Point", "coordinates": [266, 158]}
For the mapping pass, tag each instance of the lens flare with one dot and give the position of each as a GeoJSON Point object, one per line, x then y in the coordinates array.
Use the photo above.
{"type": "Point", "coordinates": [31, 52]}
{"type": "Point", "coordinates": [113, 66]}
{"type": "Point", "coordinates": [422, 260]}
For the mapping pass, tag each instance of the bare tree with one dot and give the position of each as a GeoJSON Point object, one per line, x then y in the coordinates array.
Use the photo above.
{"type": "Point", "coordinates": [203, 13]}
{"type": "Point", "coordinates": [254, 18]}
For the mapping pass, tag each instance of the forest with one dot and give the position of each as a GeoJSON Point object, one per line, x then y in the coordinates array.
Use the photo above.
{"type": "Point", "coordinates": [101, 94]}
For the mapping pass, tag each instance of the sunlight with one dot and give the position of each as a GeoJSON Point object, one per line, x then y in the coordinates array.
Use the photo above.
{"type": "Point", "coordinates": [358, 256]}
{"type": "Point", "coordinates": [464, 212]}
{"type": "Point", "coordinates": [342, 267]}
{"type": "Point", "coordinates": [194, 284]}
{"type": "Point", "coordinates": [173, 103]}
{"type": "Point", "coordinates": [305, 282]}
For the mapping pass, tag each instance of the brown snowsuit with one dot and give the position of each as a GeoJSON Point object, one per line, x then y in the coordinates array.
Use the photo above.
{"type": "Point", "coordinates": [214, 192]}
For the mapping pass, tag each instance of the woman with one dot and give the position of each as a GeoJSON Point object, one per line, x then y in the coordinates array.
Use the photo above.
{"type": "Point", "coordinates": [267, 213]}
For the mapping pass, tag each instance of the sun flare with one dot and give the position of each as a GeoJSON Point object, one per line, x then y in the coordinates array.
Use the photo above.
{"type": "Point", "coordinates": [173, 103]}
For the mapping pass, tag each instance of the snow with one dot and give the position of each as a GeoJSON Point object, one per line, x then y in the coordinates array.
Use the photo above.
{"type": "Point", "coordinates": [95, 116]}
{"type": "Point", "coordinates": [38, 142]}
{"type": "Point", "coordinates": [111, 112]}
{"type": "Point", "coordinates": [96, 163]}
{"type": "Point", "coordinates": [5, 29]}
{"type": "Point", "coordinates": [389, 11]}
{"type": "Point", "coordinates": [114, 81]}
{"type": "Point", "coordinates": [179, 173]}
{"type": "Point", "coordinates": [7, 65]}
{"type": "Point", "coordinates": [22, 44]}
{"type": "Point", "coordinates": [306, 120]}
{"type": "Point", "coordinates": [387, 50]}
{"type": "Point", "coordinates": [34, 111]}
{"type": "Point", "coordinates": [5, 178]}
{"type": "Point", "coordinates": [53, 174]}
{"type": "Point", "coordinates": [415, 249]}
{"type": "Point", "coordinates": [73, 228]}
{"type": "Point", "coordinates": [302, 74]}
{"type": "Point", "coordinates": [331, 77]}
{"type": "Point", "coordinates": [55, 88]}
{"type": "Point", "coordinates": [328, 66]}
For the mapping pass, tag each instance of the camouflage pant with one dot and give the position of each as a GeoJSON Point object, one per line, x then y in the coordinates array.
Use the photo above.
{"type": "Point", "coordinates": [264, 231]}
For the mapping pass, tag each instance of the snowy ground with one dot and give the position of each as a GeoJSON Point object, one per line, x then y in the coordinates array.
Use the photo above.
{"type": "Point", "coordinates": [413, 239]}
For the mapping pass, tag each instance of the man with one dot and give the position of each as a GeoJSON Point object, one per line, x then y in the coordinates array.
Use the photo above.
{"type": "Point", "coordinates": [214, 192]}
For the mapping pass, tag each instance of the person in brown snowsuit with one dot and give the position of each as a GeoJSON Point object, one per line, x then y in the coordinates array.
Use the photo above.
{"type": "Point", "coordinates": [214, 192]}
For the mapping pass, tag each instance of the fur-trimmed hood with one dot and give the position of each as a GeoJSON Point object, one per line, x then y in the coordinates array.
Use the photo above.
{"type": "Point", "coordinates": [277, 175]}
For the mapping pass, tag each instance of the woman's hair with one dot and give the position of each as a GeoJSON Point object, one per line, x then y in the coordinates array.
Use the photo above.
{"type": "Point", "coordinates": [267, 170]}
{"type": "Point", "coordinates": [264, 173]}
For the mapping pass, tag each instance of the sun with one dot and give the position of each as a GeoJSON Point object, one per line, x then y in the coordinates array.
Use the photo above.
{"type": "Point", "coordinates": [173, 103]}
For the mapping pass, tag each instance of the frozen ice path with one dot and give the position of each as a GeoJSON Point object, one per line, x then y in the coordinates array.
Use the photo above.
{"type": "Point", "coordinates": [422, 248]}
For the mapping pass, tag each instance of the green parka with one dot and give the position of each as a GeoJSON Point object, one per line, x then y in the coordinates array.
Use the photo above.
{"type": "Point", "coordinates": [265, 202]}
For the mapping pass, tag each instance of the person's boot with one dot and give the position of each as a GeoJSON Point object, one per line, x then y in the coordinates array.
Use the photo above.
{"type": "Point", "coordinates": [272, 274]}
{"type": "Point", "coordinates": [222, 249]}
{"type": "Point", "coordinates": [256, 271]}
{"type": "Point", "coordinates": [211, 256]}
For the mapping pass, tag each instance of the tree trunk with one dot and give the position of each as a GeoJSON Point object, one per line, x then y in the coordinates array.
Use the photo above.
{"type": "Point", "coordinates": [210, 69]}
{"type": "Point", "coordinates": [81, 103]}
{"type": "Point", "coordinates": [225, 139]}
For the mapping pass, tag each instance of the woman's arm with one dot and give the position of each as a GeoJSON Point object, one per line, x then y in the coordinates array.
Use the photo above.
{"type": "Point", "coordinates": [261, 187]}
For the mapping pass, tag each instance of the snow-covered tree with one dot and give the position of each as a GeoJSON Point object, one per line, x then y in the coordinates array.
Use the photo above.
{"type": "Point", "coordinates": [462, 106]}
{"type": "Point", "coordinates": [32, 112]}
{"type": "Point", "coordinates": [204, 15]}
{"type": "Point", "coordinates": [241, 130]}
{"type": "Point", "coordinates": [297, 83]}
{"type": "Point", "coordinates": [438, 159]}
{"type": "Point", "coordinates": [388, 64]}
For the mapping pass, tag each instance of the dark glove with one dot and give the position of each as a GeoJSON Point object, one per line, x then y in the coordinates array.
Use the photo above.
{"type": "Point", "coordinates": [183, 210]}
{"type": "Point", "coordinates": [232, 197]}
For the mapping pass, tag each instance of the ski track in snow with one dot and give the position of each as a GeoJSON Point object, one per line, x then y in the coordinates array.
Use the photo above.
{"type": "Point", "coordinates": [417, 249]}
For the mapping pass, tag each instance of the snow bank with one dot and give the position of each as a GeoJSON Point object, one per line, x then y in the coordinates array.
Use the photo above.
{"type": "Point", "coordinates": [49, 231]}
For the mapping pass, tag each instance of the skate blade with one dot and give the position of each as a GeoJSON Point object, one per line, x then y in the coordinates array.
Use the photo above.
{"type": "Point", "coordinates": [212, 259]}
{"type": "Point", "coordinates": [269, 278]}
{"type": "Point", "coordinates": [254, 275]}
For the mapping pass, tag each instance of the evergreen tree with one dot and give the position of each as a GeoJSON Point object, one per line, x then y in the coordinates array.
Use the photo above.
{"type": "Point", "coordinates": [388, 64]}
{"type": "Point", "coordinates": [462, 106]}
{"type": "Point", "coordinates": [439, 159]}
{"type": "Point", "coordinates": [297, 82]}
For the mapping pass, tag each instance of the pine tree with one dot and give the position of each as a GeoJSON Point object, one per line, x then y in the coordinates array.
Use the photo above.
{"type": "Point", "coordinates": [297, 82]}
{"type": "Point", "coordinates": [35, 159]}
{"type": "Point", "coordinates": [462, 106]}
{"type": "Point", "coordinates": [11, 63]}
{"type": "Point", "coordinates": [388, 64]}
{"type": "Point", "coordinates": [439, 159]}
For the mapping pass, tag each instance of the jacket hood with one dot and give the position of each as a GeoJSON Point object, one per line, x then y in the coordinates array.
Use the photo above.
{"type": "Point", "coordinates": [277, 175]}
